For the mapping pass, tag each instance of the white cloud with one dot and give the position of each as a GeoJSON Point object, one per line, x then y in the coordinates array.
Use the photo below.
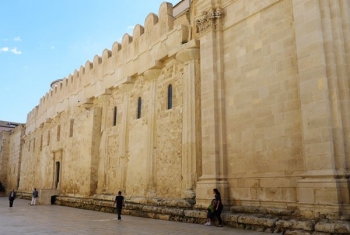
{"type": "Point", "coordinates": [17, 39]}
{"type": "Point", "coordinates": [14, 51]}
{"type": "Point", "coordinates": [5, 49]}
{"type": "Point", "coordinates": [52, 48]}
{"type": "Point", "coordinates": [131, 27]}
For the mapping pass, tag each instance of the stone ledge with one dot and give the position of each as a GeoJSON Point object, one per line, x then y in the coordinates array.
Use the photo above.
{"type": "Point", "coordinates": [307, 225]}
{"type": "Point", "coordinates": [269, 223]}
{"type": "Point", "coordinates": [254, 220]}
{"type": "Point", "coordinates": [259, 210]}
{"type": "Point", "coordinates": [342, 227]}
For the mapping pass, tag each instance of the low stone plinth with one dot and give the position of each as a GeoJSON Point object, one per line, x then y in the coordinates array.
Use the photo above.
{"type": "Point", "coordinates": [45, 196]}
{"type": "Point", "coordinates": [277, 221]}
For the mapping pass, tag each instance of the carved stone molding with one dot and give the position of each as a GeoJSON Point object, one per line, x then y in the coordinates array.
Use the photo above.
{"type": "Point", "coordinates": [126, 87]}
{"type": "Point", "coordinates": [152, 74]}
{"type": "Point", "coordinates": [209, 20]}
{"type": "Point", "coordinates": [188, 55]}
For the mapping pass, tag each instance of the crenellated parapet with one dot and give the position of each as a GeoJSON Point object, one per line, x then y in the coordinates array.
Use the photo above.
{"type": "Point", "coordinates": [135, 54]}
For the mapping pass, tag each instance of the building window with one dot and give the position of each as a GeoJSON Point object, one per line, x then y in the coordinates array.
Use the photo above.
{"type": "Point", "coordinates": [170, 96]}
{"type": "Point", "coordinates": [48, 138]}
{"type": "Point", "coordinates": [58, 132]}
{"type": "Point", "coordinates": [139, 105]}
{"type": "Point", "coordinates": [41, 142]}
{"type": "Point", "coordinates": [71, 125]}
{"type": "Point", "coordinates": [115, 114]}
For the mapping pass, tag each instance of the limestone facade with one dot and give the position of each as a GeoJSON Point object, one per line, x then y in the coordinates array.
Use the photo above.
{"type": "Point", "coordinates": [11, 143]}
{"type": "Point", "coordinates": [250, 97]}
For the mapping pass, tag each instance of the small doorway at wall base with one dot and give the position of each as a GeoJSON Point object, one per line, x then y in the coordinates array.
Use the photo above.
{"type": "Point", "coordinates": [57, 178]}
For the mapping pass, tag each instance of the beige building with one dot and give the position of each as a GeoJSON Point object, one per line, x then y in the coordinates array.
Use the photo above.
{"type": "Point", "coordinates": [250, 97]}
{"type": "Point", "coordinates": [11, 134]}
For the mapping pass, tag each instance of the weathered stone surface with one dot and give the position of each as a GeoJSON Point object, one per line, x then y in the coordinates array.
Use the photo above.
{"type": "Point", "coordinates": [320, 233]}
{"type": "Point", "coordinates": [296, 224]}
{"type": "Point", "coordinates": [196, 214]}
{"type": "Point", "coordinates": [259, 210]}
{"type": "Point", "coordinates": [341, 227]}
{"type": "Point", "coordinates": [230, 217]}
{"type": "Point", "coordinates": [134, 206]}
{"type": "Point", "coordinates": [104, 197]}
{"type": "Point", "coordinates": [173, 211]}
{"type": "Point", "coordinates": [297, 232]}
{"type": "Point", "coordinates": [250, 219]}
{"type": "Point", "coordinates": [175, 203]}
{"type": "Point", "coordinates": [152, 209]}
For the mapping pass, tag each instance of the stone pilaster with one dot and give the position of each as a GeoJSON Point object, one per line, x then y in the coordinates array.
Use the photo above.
{"type": "Point", "coordinates": [191, 116]}
{"type": "Point", "coordinates": [124, 137]}
{"type": "Point", "coordinates": [324, 96]}
{"type": "Point", "coordinates": [151, 76]}
{"type": "Point", "coordinates": [214, 172]}
{"type": "Point", "coordinates": [104, 160]}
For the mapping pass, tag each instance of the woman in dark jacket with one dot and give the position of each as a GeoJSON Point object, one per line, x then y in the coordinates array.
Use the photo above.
{"type": "Point", "coordinates": [219, 206]}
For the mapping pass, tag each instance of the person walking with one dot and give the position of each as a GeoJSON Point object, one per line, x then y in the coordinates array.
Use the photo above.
{"type": "Point", "coordinates": [219, 206]}
{"type": "Point", "coordinates": [12, 197]}
{"type": "Point", "coordinates": [119, 201]}
{"type": "Point", "coordinates": [35, 195]}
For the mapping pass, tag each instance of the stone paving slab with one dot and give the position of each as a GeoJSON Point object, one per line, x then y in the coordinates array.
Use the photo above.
{"type": "Point", "coordinates": [53, 219]}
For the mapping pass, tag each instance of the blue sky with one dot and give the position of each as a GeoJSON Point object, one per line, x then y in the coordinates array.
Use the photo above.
{"type": "Point", "coordinates": [45, 40]}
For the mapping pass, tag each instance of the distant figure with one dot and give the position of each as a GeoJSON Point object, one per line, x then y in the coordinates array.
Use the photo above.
{"type": "Point", "coordinates": [219, 206]}
{"type": "Point", "coordinates": [35, 195]}
{"type": "Point", "coordinates": [119, 201]}
{"type": "Point", "coordinates": [12, 197]}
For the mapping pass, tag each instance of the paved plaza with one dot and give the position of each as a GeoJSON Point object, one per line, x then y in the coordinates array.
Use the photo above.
{"type": "Point", "coordinates": [52, 219]}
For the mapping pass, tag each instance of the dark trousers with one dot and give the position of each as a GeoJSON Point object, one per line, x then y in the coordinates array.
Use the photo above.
{"type": "Point", "coordinates": [119, 212]}
{"type": "Point", "coordinates": [210, 215]}
{"type": "Point", "coordinates": [11, 201]}
{"type": "Point", "coordinates": [218, 214]}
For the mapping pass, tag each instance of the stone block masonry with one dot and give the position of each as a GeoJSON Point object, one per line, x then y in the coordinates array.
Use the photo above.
{"type": "Point", "coordinates": [249, 97]}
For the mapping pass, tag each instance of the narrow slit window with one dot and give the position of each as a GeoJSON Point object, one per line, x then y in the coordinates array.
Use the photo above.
{"type": "Point", "coordinates": [71, 126]}
{"type": "Point", "coordinates": [41, 142]}
{"type": "Point", "coordinates": [58, 132]}
{"type": "Point", "coordinates": [48, 138]}
{"type": "Point", "coordinates": [170, 96]}
{"type": "Point", "coordinates": [139, 104]}
{"type": "Point", "coordinates": [115, 115]}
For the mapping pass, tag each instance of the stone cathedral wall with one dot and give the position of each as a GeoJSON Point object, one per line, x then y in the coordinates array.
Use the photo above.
{"type": "Point", "coordinates": [260, 110]}
{"type": "Point", "coordinates": [263, 108]}
{"type": "Point", "coordinates": [73, 124]}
